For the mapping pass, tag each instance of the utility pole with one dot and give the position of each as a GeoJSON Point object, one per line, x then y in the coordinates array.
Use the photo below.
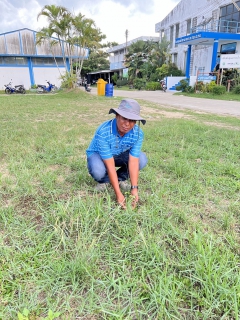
{"type": "Point", "coordinates": [126, 36]}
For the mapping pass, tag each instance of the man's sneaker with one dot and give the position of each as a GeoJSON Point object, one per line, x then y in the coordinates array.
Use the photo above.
{"type": "Point", "coordinates": [124, 185]}
{"type": "Point", "coordinates": [101, 187]}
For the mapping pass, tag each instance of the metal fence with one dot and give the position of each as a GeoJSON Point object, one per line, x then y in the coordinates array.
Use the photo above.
{"type": "Point", "coordinates": [224, 26]}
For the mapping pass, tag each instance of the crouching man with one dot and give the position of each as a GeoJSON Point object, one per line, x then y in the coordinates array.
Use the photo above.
{"type": "Point", "coordinates": [117, 143]}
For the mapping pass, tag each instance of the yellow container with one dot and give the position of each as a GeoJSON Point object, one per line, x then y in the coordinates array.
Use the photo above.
{"type": "Point", "coordinates": [101, 87]}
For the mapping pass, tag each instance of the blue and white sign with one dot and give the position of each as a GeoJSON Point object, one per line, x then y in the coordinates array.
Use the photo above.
{"type": "Point", "coordinates": [188, 38]}
{"type": "Point", "coordinates": [202, 77]}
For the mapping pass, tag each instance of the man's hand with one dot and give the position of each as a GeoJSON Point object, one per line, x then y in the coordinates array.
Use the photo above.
{"type": "Point", "coordinates": [121, 201]}
{"type": "Point", "coordinates": [135, 198]}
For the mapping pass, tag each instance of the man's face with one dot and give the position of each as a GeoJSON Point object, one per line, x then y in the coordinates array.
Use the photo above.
{"type": "Point", "coordinates": [124, 125]}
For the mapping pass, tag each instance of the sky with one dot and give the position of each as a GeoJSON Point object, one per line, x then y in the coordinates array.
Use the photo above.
{"type": "Point", "coordinates": [112, 17]}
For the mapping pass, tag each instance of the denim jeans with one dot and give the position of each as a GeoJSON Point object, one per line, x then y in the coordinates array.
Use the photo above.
{"type": "Point", "coordinates": [98, 171]}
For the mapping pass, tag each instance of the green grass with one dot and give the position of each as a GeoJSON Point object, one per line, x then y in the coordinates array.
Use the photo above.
{"type": "Point", "coordinates": [65, 249]}
{"type": "Point", "coordinates": [228, 96]}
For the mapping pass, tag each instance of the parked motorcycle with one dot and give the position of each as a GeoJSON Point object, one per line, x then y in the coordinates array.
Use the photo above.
{"type": "Point", "coordinates": [9, 89]}
{"type": "Point", "coordinates": [163, 85]}
{"type": "Point", "coordinates": [41, 88]}
{"type": "Point", "coordinates": [87, 87]}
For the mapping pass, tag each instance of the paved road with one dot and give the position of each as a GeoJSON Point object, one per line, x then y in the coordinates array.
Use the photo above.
{"type": "Point", "coordinates": [169, 99]}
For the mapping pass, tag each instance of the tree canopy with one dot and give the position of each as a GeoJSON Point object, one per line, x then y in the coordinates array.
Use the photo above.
{"type": "Point", "coordinates": [74, 30]}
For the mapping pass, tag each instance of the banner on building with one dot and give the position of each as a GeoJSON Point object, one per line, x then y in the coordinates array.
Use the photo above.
{"type": "Point", "coordinates": [125, 73]}
{"type": "Point", "coordinates": [228, 61]}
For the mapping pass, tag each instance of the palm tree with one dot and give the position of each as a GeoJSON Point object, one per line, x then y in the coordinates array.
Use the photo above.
{"type": "Point", "coordinates": [160, 53]}
{"type": "Point", "coordinates": [136, 59]}
{"type": "Point", "coordinates": [59, 19]}
{"type": "Point", "coordinates": [45, 36]}
{"type": "Point", "coordinates": [70, 32]}
{"type": "Point", "coordinates": [85, 35]}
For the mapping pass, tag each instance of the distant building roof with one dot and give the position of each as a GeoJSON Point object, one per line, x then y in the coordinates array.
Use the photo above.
{"type": "Point", "coordinates": [122, 46]}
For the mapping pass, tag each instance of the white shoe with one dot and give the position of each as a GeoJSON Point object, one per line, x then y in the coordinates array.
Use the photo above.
{"type": "Point", "coordinates": [101, 187]}
{"type": "Point", "coordinates": [124, 185]}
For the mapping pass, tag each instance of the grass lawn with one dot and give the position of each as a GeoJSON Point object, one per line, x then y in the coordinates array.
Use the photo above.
{"type": "Point", "coordinates": [69, 253]}
{"type": "Point", "coordinates": [228, 96]}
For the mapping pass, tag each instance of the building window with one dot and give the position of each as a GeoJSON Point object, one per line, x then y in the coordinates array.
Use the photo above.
{"type": "Point", "coordinates": [14, 60]}
{"type": "Point", "coordinates": [21, 60]}
{"type": "Point", "coordinates": [162, 34]}
{"type": "Point", "coordinates": [201, 70]}
{"type": "Point", "coordinates": [47, 61]}
{"type": "Point", "coordinates": [175, 55]}
{"type": "Point", "coordinates": [177, 33]}
{"type": "Point", "coordinates": [194, 24]}
{"type": "Point", "coordinates": [188, 27]}
{"type": "Point", "coordinates": [229, 19]}
{"type": "Point", "coordinates": [171, 36]}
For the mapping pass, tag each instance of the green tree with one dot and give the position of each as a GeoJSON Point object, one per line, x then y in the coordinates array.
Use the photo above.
{"type": "Point", "coordinates": [71, 32]}
{"type": "Point", "coordinates": [98, 60]}
{"type": "Point", "coordinates": [45, 37]}
{"type": "Point", "coordinates": [162, 71]}
{"type": "Point", "coordinates": [160, 53]}
{"type": "Point", "coordinates": [135, 59]}
{"type": "Point", "coordinates": [59, 24]}
{"type": "Point", "coordinates": [86, 35]}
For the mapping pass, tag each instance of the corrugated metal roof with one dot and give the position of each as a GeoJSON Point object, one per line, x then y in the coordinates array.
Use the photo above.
{"type": "Point", "coordinates": [22, 42]}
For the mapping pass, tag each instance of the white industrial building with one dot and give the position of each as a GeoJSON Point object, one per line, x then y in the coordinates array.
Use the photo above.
{"type": "Point", "coordinates": [25, 62]}
{"type": "Point", "coordinates": [117, 54]}
{"type": "Point", "coordinates": [199, 32]}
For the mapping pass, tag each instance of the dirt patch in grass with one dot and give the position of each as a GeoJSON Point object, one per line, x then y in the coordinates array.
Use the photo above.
{"type": "Point", "coordinates": [4, 171]}
{"type": "Point", "coordinates": [220, 125]}
{"type": "Point", "coordinates": [148, 111]}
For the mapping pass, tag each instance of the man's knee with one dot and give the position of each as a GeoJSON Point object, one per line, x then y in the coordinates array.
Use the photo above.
{"type": "Point", "coordinates": [143, 160]}
{"type": "Point", "coordinates": [96, 167]}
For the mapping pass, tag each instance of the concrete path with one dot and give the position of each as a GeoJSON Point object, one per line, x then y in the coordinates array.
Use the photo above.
{"type": "Point", "coordinates": [220, 107]}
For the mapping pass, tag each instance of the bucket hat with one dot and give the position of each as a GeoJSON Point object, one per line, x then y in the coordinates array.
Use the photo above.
{"type": "Point", "coordinates": [129, 109]}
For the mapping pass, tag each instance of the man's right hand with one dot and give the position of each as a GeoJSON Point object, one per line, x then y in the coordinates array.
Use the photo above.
{"type": "Point", "coordinates": [121, 201]}
{"type": "Point", "coordinates": [110, 165]}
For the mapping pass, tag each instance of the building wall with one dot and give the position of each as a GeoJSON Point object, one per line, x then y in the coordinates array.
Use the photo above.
{"type": "Point", "coordinates": [199, 12]}
{"type": "Point", "coordinates": [15, 75]}
{"type": "Point", "coordinates": [41, 75]}
{"type": "Point", "coordinates": [117, 53]}
{"type": "Point", "coordinates": [21, 75]}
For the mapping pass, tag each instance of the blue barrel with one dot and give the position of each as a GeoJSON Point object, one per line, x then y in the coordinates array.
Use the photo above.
{"type": "Point", "coordinates": [109, 90]}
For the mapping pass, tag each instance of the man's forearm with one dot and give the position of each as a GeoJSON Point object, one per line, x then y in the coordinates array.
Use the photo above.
{"type": "Point", "coordinates": [112, 174]}
{"type": "Point", "coordinates": [133, 167]}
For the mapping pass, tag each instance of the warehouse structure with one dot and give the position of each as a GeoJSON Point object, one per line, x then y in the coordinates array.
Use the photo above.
{"type": "Point", "coordinates": [25, 62]}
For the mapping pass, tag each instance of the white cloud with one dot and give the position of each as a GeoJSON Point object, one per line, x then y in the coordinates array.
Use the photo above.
{"type": "Point", "coordinates": [112, 17]}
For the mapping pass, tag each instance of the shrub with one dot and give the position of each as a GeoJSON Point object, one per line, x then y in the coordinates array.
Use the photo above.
{"type": "Point", "coordinates": [236, 90]}
{"type": "Point", "coordinates": [152, 86]}
{"type": "Point", "coordinates": [139, 83]}
{"type": "Point", "coordinates": [190, 89]}
{"type": "Point", "coordinates": [115, 78]}
{"type": "Point", "coordinates": [68, 80]}
{"type": "Point", "coordinates": [199, 86]}
{"type": "Point", "coordinates": [219, 90]}
{"type": "Point", "coordinates": [210, 86]}
{"type": "Point", "coordinates": [122, 82]}
{"type": "Point", "coordinates": [183, 86]}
